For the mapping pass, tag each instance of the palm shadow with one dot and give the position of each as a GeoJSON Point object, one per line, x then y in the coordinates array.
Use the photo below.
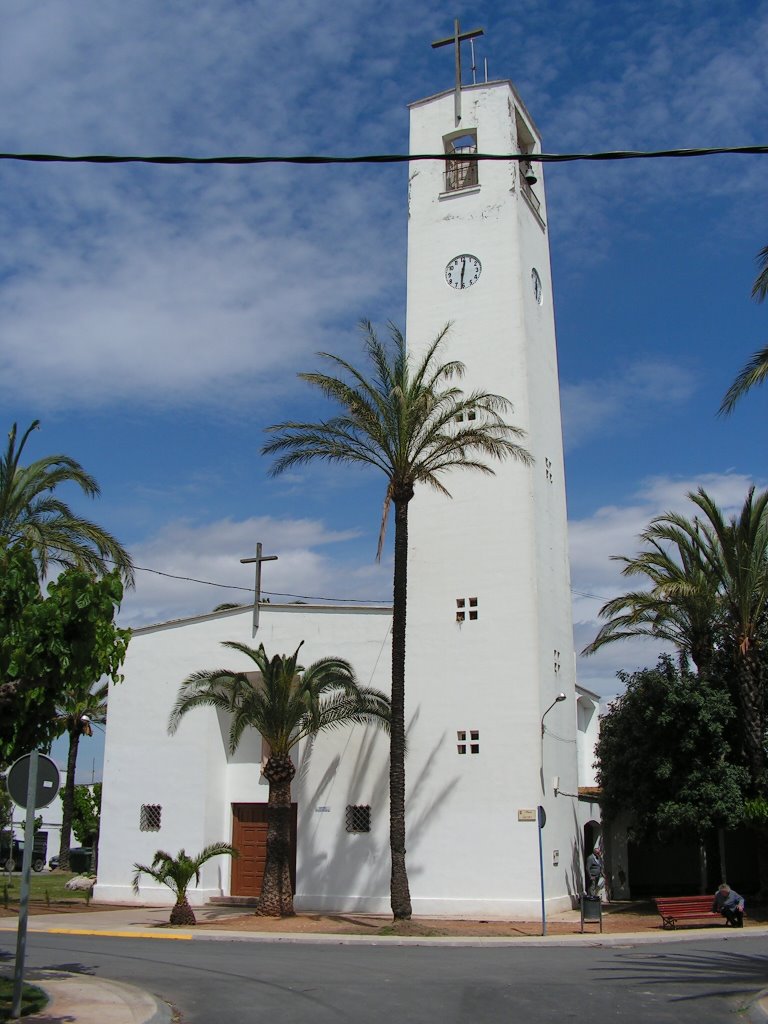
{"type": "Point", "coordinates": [719, 972]}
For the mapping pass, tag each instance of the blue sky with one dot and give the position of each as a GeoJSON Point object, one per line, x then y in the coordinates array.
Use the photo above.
{"type": "Point", "coordinates": [154, 319]}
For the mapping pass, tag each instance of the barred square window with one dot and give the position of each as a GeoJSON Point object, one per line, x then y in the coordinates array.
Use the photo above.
{"type": "Point", "coordinates": [358, 818]}
{"type": "Point", "coordinates": [150, 817]}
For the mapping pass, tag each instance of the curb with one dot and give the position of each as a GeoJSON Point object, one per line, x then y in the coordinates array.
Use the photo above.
{"type": "Point", "coordinates": [81, 997]}
{"type": "Point", "coordinates": [593, 939]}
{"type": "Point", "coordinates": [757, 1011]}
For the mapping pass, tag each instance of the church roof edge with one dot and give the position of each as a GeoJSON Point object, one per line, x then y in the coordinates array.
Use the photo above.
{"type": "Point", "coordinates": [483, 85]}
{"type": "Point", "coordinates": [365, 609]}
{"type": "Point", "coordinates": [588, 693]}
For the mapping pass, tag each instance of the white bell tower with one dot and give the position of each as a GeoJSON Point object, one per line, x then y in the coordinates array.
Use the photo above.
{"type": "Point", "coordinates": [489, 638]}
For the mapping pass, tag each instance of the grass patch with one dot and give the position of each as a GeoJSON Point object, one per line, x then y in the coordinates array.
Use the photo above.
{"type": "Point", "coordinates": [46, 887]}
{"type": "Point", "coordinates": [33, 999]}
{"type": "Point", "coordinates": [411, 928]}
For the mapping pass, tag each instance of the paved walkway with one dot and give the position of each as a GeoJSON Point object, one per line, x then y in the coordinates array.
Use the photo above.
{"type": "Point", "coordinates": [80, 999]}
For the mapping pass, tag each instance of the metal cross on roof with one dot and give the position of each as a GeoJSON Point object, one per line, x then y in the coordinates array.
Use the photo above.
{"type": "Point", "coordinates": [457, 39]}
{"type": "Point", "coordinates": [257, 587]}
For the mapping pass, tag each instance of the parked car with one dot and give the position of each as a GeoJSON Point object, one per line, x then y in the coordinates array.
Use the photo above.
{"type": "Point", "coordinates": [80, 859]}
{"type": "Point", "coordinates": [12, 857]}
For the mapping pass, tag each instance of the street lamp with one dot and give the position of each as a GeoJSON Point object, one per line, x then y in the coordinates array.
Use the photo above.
{"type": "Point", "coordinates": [541, 816]}
{"type": "Point", "coordinates": [558, 699]}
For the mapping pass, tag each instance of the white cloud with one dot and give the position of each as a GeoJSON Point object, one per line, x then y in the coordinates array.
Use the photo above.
{"type": "Point", "coordinates": [212, 552]}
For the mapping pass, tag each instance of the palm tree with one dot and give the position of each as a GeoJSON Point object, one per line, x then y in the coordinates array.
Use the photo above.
{"type": "Point", "coordinates": [285, 703]}
{"type": "Point", "coordinates": [735, 551]}
{"type": "Point", "coordinates": [31, 512]}
{"type": "Point", "coordinates": [756, 369]}
{"type": "Point", "coordinates": [680, 608]}
{"type": "Point", "coordinates": [410, 421]}
{"type": "Point", "coordinates": [75, 715]}
{"type": "Point", "coordinates": [177, 873]}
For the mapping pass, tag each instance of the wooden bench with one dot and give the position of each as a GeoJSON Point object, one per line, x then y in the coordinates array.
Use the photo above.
{"type": "Point", "coordinates": [685, 909]}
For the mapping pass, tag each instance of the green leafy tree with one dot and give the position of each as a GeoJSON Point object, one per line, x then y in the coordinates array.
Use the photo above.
{"type": "Point", "coordinates": [665, 755]}
{"type": "Point", "coordinates": [77, 711]}
{"type": "Point", "coordinates": [86, 814]}
{"type": "Point", "coordinates": [50, 645]}
{"type": "Point", "coordinates": [408, 419]}
{"type": "Point", "coordinates": [285, 703]}
{"type": "Point", "coordinates": [177, 873]}
{"type": "Point", "coordinates": [756, 369]}
{"type": "Point", "coordinates": [721, 562]}
{"type": "Point", "coordinates": [32, 513]}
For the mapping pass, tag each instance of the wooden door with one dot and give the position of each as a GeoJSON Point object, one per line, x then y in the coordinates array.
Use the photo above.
{"type": "Point", "coordinates": [249, 837]}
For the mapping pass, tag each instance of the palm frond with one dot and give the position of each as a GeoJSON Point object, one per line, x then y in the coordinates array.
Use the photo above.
{"type": "Point", "coordinates": [286, 703]}
{"type": "Point", "coordinates": [402, 417]}
{"type": "Point", "coordinates": [753, 373]}
{"type": "Point", "coordinates": [31, 513]}
{"type": "Point", "coordinates": [760, 287]}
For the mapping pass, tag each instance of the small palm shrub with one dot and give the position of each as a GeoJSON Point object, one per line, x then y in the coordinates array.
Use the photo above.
{"type": "Point", "coordinates": [177, 873]}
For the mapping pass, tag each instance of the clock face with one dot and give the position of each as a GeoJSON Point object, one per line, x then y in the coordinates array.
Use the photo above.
{"type": "Point", "coordinates": [463, 271]}
{"type": "Point", "coordinates": [537, 293]}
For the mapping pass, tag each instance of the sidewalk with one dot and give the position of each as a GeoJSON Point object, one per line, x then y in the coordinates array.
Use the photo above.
{"type": "Point", "coordinates": [85, 1000]}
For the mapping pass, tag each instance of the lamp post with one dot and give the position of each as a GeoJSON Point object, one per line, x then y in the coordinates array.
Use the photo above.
{"type": "Point", "coordinates": [541, 816]}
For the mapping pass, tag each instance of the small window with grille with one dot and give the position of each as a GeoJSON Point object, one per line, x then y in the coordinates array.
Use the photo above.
{"type": "Point", "coordinates": [474, 741]}
{"type": "Point", "coordinates": [358, 818]}
{"type": "Point", "coordinates": [466, 608]}
{"type": "Point", "coordinates": [468, 415]}
{"type": "Point", "coordinates": [150, 817]}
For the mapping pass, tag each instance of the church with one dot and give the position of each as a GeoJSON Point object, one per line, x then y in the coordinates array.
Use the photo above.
{"type": "Point", "coordinates": [497, 729]}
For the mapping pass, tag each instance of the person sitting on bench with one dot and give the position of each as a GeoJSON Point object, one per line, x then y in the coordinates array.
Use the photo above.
{"type": "Point", "coordinates": [728, 903]}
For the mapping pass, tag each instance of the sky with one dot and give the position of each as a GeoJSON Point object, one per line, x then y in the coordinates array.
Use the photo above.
{"type": "Point", "coordinates": [154, 319]}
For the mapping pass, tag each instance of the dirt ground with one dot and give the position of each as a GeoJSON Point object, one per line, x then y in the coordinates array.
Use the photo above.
{"type": "Point", "coordinates": [617, 918]}
{"type": "Point", "coordinates": [635, 917]}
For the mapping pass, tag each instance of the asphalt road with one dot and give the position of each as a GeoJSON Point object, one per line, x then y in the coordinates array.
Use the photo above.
{"type": "Point", "coordinates": [280, 983]}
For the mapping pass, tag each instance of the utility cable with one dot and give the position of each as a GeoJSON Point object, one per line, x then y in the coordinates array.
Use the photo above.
{"type": "Point", "coordinates": [388, 158]}
{"type": "Point", "coordinates": [249, 590]}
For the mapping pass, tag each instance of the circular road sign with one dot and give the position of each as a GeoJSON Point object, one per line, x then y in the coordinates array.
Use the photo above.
{"type": "Point", "coordinates": [48, 781]}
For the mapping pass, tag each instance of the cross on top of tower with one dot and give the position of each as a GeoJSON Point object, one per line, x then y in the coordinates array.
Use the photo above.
{"type": "Point", "coordinates": [457, 39]}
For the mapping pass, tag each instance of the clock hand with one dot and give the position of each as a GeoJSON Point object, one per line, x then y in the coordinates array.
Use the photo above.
{"type": "Point", "coordinates": [463, 268]}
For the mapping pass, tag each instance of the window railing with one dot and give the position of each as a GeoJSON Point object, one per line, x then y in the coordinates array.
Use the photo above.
{"type": "Point", "coordinates": [460, 173]}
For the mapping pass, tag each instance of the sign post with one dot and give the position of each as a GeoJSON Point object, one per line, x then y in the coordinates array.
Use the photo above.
{"type": "Point", "coordinates": [33, 781]}
{"type": "Point", "coordinates": [541, 822]}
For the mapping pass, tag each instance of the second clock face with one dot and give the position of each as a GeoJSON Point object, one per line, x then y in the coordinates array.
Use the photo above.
{"type": "Point", "coordinates": [463, 271]}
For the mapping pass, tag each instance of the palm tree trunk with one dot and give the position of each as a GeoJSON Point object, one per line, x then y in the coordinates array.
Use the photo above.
{"type": "Point", "coordinates": [182, 912]}
{"type": "Point", "coordinates": [68, 800]}
{"type": "Point", "coordinates": [753, 717]}
{"type": "Point", "coordinates": [276, 898]}
{"type": "Point", "coordinates": [400, 895]}
{"type": "Point", "coordinates": [752, 708]}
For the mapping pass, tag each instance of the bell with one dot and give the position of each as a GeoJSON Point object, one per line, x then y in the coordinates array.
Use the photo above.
{"type": "Point", "coordinates": [528, 175]}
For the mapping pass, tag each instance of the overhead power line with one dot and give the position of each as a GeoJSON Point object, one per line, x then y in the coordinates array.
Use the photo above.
{"type": "Point", "coordinates": [299, 597]}
{"type": "Point", "coordinates": [249, 590]}
{"type": "Point", "coordinates": [386, 158]}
